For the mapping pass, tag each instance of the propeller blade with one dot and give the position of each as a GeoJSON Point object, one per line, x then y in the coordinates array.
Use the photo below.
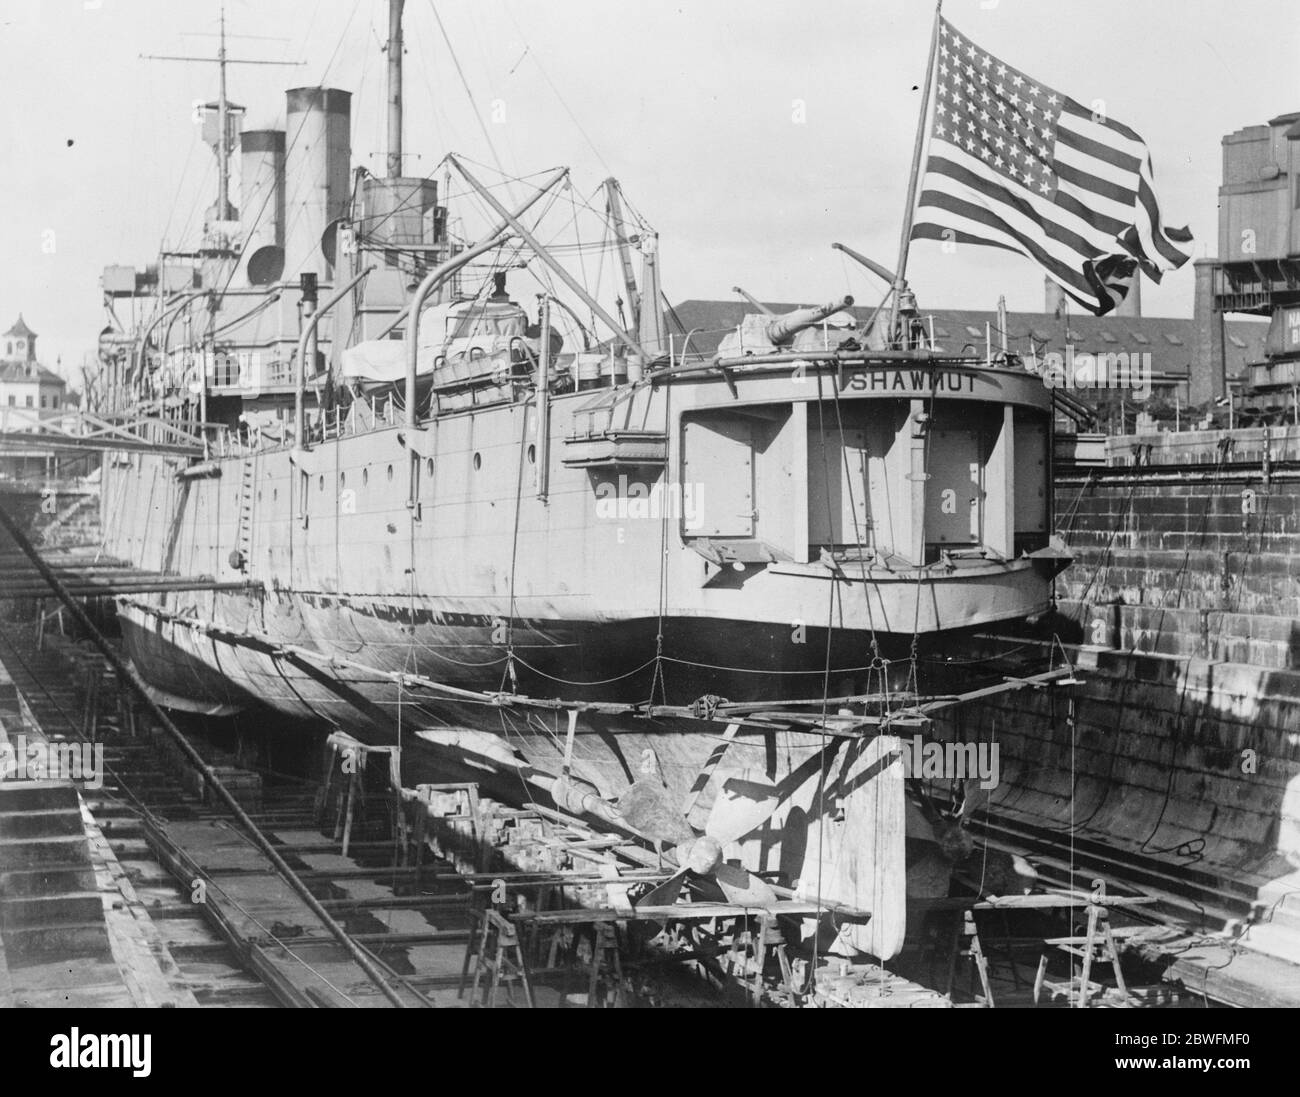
{"type": "Point", "coordinates": [647, 807]}
{"type": "Point", "coordinates": [662, 895]}
{"type": "Point", "coordinates": [743, 887]}
{"type": "Point", "coordinates": [920, 822]}
{"type": "Point", "coordinates": [975, 799]}
{"type": "Point", "coordinates": [665, 894]}
{"type": "Point", "coordinates": [746, 800]}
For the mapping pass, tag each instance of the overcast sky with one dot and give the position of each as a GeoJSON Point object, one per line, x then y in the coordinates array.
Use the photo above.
{"type": "Point", "coordinates": [750, 133]}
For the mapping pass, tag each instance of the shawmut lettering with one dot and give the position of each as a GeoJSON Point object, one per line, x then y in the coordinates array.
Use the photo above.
{"type": "Point", "coordinates": [103, 1051]}
{"type": "Point", "coordinates": [907, 380]}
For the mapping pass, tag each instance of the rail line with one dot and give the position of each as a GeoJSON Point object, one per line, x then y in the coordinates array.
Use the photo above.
{"type": "Point", "coordinates": [148, 811]}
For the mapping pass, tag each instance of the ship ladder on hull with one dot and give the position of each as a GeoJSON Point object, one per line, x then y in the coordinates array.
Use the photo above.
{"type": "Point", "coordinates": [244, 532]}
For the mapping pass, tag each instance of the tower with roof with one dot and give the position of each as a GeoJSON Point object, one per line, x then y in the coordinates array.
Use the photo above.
{"type": "Point", "coordinates": [24, 382]}
{"type": "Point", "coordinates": [18, 344]}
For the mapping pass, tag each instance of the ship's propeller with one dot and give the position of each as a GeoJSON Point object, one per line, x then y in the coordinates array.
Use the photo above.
{"type": "Point", "coordinates": [989, 870]}
{"type": "Point", "coordinates": [743, 804]}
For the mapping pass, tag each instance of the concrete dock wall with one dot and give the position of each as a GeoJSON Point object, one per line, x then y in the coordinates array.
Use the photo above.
{"type": "Point", "coordinates": [1180, 750]}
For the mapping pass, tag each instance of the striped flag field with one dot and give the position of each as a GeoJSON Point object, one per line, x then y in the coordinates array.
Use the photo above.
{"type": "Point", "coordinates": [1015, 164]}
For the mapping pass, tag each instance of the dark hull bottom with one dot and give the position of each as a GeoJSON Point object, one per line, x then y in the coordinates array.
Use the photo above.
{"type": "Point", "coordinates": [702, 659]}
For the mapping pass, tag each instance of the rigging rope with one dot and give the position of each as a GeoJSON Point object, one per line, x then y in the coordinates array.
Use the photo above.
{"type": "Point", "coordinates": [464, 83]}
{"type": "Point", "coordinates": [509, 672]}
{"type": "Point", "coordinates": [658, 678]}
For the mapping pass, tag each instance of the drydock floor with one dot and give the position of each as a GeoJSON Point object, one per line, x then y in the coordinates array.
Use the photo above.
{"type": "Point", "coordinates": [143, 893]}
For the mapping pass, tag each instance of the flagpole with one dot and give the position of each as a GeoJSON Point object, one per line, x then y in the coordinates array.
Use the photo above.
{"type": "Point", "coordinates": [900, 276]}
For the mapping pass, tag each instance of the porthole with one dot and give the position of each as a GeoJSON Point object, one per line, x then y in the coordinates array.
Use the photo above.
{"type": "Point", "coordinates": [532, 455]}
{"type": "Point", "coordinates": [478, 461]}
{"type": "Point", "coordinates": [429, 466]}
{"type": "Point", "coordinates": [343, 479]}
{"type": "Point", "coordinates": [275, 494]}
{"type": "Point", "coordinates": [365, 477]}
{"type": "Point", "coordinates": [390, 472]}
{"type": "Point", "coordinates": [322, 482]}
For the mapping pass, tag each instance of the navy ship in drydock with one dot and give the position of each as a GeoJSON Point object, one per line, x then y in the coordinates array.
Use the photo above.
{"type": "Point", "coordinates": [451, 497]}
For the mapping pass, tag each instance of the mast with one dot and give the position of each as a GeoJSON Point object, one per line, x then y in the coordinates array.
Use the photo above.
{"type": "Point", "coordinates": [395, 88]}
{"type": "Point", "coordinates": [223, 108]}
{"type": "Point", "coordinates": [918, 146]}
{"type": "Point", "coordinates": [615, 209]}
{"type": "Point", "coordinates": [223, 153]}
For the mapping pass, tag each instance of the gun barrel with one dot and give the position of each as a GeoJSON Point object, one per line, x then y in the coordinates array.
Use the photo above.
{"type": "Point", "coordinates": [784, 328]}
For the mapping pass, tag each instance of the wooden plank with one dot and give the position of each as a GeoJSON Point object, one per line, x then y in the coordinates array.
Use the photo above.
{"type": "Point", "coordinates": [680, 912]}
{"type": "Point", "coordinates": [148, 969]}
{"type": "Point", "coordinates": [1007, 685]}
{"type": "Point", "coordinates": [1055, 900]}
{"type": "Point", "coordinates": [1220, 970]}
{"type": "Point", "coordinates": [1035, 901]}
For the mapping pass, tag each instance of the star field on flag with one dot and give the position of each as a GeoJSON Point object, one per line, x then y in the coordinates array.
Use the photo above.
{"type": "Point", "coordinates": [1013, 163]}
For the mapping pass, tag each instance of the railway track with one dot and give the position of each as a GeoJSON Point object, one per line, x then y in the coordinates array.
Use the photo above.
{"type": "Point", "coordinates": [139, 823]}
{"type": "Point", "coordinates": [227, 930]}
{"type": "Point", "coordinates": [195, 960]}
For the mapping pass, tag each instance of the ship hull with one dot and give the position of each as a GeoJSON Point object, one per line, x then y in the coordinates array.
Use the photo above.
{"type": "Point", "coordinates": [507, 610]}
{"type": "Point", "coordinates": [517, 754]}
{"type": "Point", "coordinates": [287, 666]}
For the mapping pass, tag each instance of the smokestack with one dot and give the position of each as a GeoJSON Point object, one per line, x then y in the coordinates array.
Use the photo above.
{"type": "Point", "coordinates": [317, 174]}
{"type": "Point", "coordinates": [396, 211]}
{"type": "Point", "coordinates": [1055, 301]}
{"type": "Point", "coordinates": [261, 202]}
{"type": "Point", "coordinates": [653, 332]}
{"type": "Point", "coordinates": [1132, 303]}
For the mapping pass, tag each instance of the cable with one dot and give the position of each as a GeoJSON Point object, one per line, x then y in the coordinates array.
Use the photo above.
{"type": "Point", "coordinates": [509, 672]}
{"type": "Point", "coordinates": [545, 76]}
{"type": "Point", "coordinates": [464, 83]}
{"type": "Point", "coordinates": [661, 608]}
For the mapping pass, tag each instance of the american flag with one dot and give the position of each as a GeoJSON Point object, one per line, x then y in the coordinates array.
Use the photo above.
{"type": "Point", "coordinates": [1014, 164]}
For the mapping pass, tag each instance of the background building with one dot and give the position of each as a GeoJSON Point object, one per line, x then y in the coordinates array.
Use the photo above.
{"type": "Point", "coordinates": [24, 382]}
{"type": "Point", "coordinates": [1258, 267]}
{"type": "Point", "coordinates": [1173, 345]}
{"type": "Point", "coordinates": [33, 393]}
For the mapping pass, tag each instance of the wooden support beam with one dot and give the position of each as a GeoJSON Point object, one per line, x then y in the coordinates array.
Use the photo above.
{"type": "Point", "coordinates": [683, 912]}
{"type": "Point", "coordinates": [11, 440]}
